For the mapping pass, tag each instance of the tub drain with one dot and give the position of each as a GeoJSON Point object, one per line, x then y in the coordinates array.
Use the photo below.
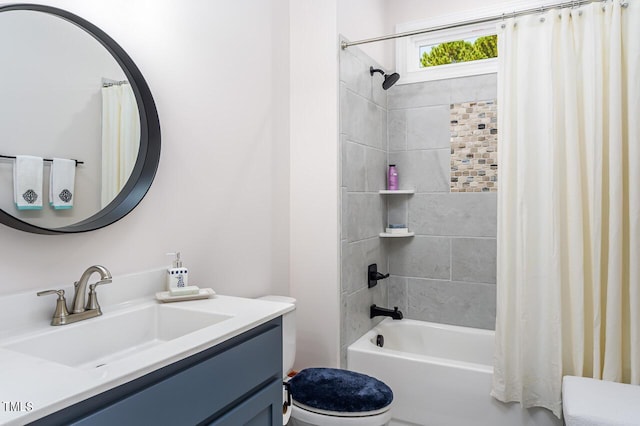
{"type": "Point", "coordinates": [380, 340]}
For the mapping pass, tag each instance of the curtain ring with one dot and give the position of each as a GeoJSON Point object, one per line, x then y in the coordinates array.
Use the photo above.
{"type": "Point", "coordinates": [541, 12]}
{"type": "Point", "coordinates": [503, 24]}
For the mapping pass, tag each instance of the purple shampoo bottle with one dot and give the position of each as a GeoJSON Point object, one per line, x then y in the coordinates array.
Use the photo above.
{"type": "Point", "coordinates": [392, 178]}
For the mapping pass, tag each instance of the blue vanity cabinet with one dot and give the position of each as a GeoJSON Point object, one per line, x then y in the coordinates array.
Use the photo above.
{"type": "Point", "coordinates": [238, 382]}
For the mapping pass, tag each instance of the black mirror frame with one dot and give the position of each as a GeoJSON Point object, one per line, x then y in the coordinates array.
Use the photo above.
{"type": "Point", "coordinates": [146, 165]}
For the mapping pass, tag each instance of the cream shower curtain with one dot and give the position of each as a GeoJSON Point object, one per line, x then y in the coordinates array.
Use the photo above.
{"type": "Point", "coordinates": [568, 201]}
{"type": "Point", "coordinates": [120, 138]}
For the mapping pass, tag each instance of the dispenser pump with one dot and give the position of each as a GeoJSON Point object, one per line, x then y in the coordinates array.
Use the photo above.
{"type": "Point", "coordinates": [177, 263]}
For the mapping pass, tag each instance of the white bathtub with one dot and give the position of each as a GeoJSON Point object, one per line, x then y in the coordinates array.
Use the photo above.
{"type": "Point", "coordinates": [440, 375]}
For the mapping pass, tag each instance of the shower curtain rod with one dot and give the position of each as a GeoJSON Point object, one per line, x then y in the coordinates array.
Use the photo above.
{"type": "Point", "coordinates": [541, 9]}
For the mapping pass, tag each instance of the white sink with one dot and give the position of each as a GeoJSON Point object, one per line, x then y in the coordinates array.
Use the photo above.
{"type": "Point", "coordinates": [98, 341]}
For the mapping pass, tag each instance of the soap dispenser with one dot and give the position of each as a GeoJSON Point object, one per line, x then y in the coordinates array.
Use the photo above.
{"type": "Point", "coordinates": [178, 277]}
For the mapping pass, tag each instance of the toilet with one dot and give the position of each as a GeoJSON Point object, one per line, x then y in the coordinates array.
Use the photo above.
{"type": "Point", "coordinates": [329, 396]}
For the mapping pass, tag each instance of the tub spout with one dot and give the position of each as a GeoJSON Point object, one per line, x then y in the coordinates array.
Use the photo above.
{"type": "Point", "coordinates": [376, 311]}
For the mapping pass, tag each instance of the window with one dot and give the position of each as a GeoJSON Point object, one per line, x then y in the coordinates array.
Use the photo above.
{"type": "Point", "coordinates": [456, 52]}
{"type": "Point", "coordinates": [410, 51]}
{"type": "Point", "coordinates": [452, 52]}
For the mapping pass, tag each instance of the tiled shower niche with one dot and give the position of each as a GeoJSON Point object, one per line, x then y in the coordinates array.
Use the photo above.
{"type": "Point", "coordinates": [474, 146]}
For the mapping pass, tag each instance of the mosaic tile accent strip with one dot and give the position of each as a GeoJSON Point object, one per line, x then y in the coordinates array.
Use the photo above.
{"type": "Point", "coordinates": [474, 147]}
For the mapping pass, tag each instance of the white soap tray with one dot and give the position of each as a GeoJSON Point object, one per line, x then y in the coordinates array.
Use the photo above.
{"type": "Point", "coordinates": [204, 293]}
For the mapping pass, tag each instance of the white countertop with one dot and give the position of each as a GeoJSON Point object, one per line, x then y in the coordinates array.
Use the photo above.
{"type": "Point", "coordinates": [43, 387]}
{"type": "Point", "coordinates": [589, 402]}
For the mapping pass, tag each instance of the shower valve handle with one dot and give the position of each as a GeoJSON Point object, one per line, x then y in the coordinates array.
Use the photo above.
{"type": "Point", "coordinates": [374, 276]}
{"type": "Point", "coordinates": [379, 276]}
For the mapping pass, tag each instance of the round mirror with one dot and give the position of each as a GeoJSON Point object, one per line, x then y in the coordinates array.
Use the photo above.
{"type": "Point", "coordinates": [69, 91]}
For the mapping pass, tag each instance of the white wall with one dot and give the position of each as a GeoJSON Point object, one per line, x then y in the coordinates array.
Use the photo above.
{"type": "Point", "coordinates": [362, 19]}
{"type": "Point", "coordinates": [314, 180]}
{"type": "Point", "coordinates": [221, 192]}
{"type": "Point", "coordinates": [403, 11]}
{"type": "Point", "coordinates": [220, 74]}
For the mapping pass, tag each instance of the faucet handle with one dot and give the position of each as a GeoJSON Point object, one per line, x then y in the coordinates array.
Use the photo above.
{"type": "Point", "coordinates": [92, 301]}
{"type": "Point", "coordinates": [60, 293]}
{"type": "Point", "coordinates": [61, 313]}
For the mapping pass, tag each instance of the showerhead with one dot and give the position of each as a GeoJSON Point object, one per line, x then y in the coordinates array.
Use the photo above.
{"type": "Point", "coordinates": [389, 79]}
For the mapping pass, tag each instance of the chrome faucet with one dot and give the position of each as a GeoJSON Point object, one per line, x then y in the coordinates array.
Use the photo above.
{"type": "Point", "coordinates": [80, 311]}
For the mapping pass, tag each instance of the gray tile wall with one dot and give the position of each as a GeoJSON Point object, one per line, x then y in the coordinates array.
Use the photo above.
{"type": "Point", "coordinates": [447, 272]}
{"type": "Point", "coordinates": [363, 140]}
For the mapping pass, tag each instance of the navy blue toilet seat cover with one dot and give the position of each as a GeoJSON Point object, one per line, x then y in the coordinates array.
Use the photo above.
{"type": "Point", "coordinates": [337, 390]}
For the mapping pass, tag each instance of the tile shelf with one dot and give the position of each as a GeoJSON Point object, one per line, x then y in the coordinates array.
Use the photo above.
{"type": "Point", "coordinates": [387, 235]}
{"type": "Point", "coordinates": [397, 192]}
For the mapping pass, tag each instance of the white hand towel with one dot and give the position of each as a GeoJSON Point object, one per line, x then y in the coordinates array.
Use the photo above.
{"type": "Point", "coordinates": [27, 182]}
{"type": "Point", "coordinates": [61, 183]}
